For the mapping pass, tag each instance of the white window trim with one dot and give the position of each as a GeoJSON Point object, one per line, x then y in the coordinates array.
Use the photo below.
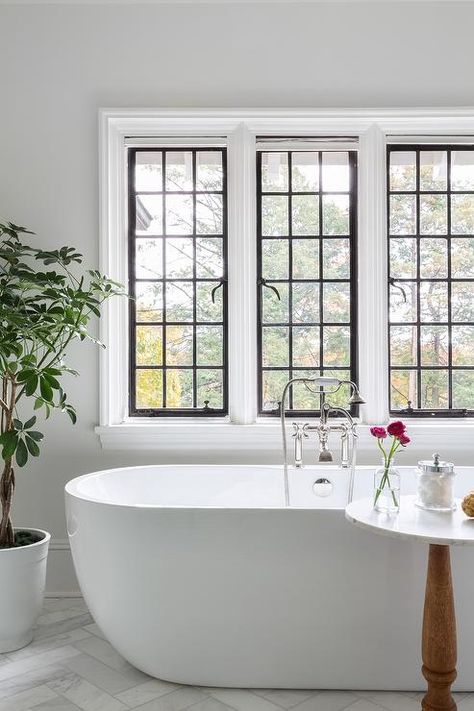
{"type": "Point", "coordinates": [242, 429]}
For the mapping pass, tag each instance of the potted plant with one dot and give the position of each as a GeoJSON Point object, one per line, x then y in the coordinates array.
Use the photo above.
{"type": "Point", "coordinates": [44, 306]}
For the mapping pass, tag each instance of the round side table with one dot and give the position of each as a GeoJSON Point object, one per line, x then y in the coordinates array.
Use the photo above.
{"type": "Point", "coordinates": [439, 530]}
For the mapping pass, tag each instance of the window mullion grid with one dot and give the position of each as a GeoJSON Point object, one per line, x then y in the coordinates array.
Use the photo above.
{"type": "Point", "coordinates": [321, 257]}
{"type": "Point", "coordinates": [448, 240]}
{"type": "Point", "coordinates": [290, 273]}
{"type": "Point", "coordinates": [194, 283]}
{"type": "Point", "coordinates": [164, 282]}
{"type": "Point", "coordinates": [418, 286]}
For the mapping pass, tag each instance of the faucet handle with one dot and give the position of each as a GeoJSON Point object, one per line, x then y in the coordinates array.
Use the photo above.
{"type": "Point", "coordinates": [299, 433]}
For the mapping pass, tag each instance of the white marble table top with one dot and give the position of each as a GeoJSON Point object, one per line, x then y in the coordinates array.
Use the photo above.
{"type": "Point", "coordinates": [453, 528]}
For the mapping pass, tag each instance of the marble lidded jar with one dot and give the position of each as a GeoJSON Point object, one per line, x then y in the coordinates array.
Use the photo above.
{"type": "Point", "coordinates": [435, 485]}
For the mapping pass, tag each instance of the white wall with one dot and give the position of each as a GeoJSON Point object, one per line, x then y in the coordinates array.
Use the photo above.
{"type": "Point", "coordinates": [58, 65]}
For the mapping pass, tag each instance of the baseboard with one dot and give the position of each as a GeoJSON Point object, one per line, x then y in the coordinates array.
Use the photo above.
{"type": "Point", "coordinates": [61, 579]}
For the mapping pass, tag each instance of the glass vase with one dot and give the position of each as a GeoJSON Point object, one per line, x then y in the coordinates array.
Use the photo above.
{"type": "Point", "coordinates": [387, 489]}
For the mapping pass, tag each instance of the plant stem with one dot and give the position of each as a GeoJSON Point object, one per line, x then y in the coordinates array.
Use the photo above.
{"type": "Point", "coordinates": [7, 480]}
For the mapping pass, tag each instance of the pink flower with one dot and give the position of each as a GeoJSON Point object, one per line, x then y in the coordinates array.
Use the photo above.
{"type": "Point", "coordinates": [404, 439]}
{"type": "Point", "coordinates": [396, 429]}
{"type": "Point", "coordinates": [379, 432]}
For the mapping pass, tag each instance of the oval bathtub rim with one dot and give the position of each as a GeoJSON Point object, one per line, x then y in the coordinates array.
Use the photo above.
{"type": "Point", "coordinates": [71, 487]}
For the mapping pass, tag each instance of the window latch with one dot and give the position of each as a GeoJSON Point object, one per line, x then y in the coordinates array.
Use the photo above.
{"type": "Point", "coordinates": [213, 292]}
{"type": "Point", "coordinates": [263, 282]}
{"type": "Point", "coordinates": [393, 283]}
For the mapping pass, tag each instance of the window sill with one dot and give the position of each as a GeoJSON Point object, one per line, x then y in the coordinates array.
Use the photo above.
{"type": "Point", "coordinates": [221, 435]}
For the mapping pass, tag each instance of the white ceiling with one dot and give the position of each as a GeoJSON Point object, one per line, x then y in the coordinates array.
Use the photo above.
{"type": "Point", "coordinates": [197, 2]}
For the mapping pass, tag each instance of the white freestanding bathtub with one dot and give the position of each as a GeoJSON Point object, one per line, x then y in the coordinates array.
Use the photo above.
{"type": "Point", "coordinates": [200, 575]}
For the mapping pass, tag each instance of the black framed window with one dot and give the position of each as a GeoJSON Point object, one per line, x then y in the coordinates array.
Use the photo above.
{"type": "Point", "coordinates": [307, 298]}
{"type": "Point", "coordinates": [431, 279]}
{"type": "Point", "coordinates": [178, 280]}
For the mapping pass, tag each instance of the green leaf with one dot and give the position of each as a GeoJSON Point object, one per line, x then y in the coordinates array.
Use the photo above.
{"type": "Point", "coordinates": [9, 440]}
{"type": "Point", "coordinates": [18, 424]}
{"type": "Point", "coordinates": [21, 453]}
{"type": "Point", "coordinates": [29, 423]}
{"type": "Point", "coordinates": [46, 390]}
{"type": "Point", "coordinates": [33, 448]}
{"type": "Point", "coordinates": [31, 384]}
{"type": "Point", "coordinates": [72, 414]}
{"type": "Point", "coordinates": [34, 434]}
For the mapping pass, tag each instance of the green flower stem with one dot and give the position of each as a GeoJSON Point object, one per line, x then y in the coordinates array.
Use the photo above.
{"type": "Point", "coordinates": [387, 459]}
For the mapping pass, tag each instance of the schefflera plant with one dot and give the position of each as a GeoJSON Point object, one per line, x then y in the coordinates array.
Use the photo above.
{"type": "Point", "coordinates": [45, 304]}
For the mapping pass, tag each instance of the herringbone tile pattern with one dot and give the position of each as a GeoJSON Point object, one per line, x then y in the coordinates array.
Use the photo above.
{"type": "Point", "coordinates": [70, 666]}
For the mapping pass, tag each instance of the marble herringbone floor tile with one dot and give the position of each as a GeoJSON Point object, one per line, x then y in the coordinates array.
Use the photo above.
{"type": "Point", "coordinates": [71, 667]}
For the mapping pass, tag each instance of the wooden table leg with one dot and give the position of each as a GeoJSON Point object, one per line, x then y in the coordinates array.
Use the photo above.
{"type": "Point", "coordinates": [439, 633]}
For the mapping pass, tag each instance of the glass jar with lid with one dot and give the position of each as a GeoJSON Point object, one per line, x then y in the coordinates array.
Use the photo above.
{"type": "Point", "coordinates": [435, 485]}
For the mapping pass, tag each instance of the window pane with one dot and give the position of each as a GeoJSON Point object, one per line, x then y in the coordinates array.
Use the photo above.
{"type": "Point", "coordinates": [275, 346]}
{"type": "Point", "coordinates": [462, 301]}
{"type": "Point", "coordinates": [433, 258]}
{"type": "Point", "coordinates": [336, 300]}
{"type": "Point", "coordinates": [403, 345]}
{"type": "Point", "coordinates": [209, 257]}
{"type": "Point", "coordinates": [402, 215]}
{"type": "Point", "coordinates": [210, 344]}
{"type": "Point", "coordinates": [305, 258]}
{"type": "Point", "coordinates": [312, 274]}
{"type": "Point", "coordinates": [462, 214]}
{"type": "Point", "coordinates": [336, 259]}
{"type": "Point", "coordinates": [179, 388]}
{"type": "Point", "coordinates": [179, 345]}
{"type": "Point", "coordinates": [403, 258]}
{"type": "Point", "coordinates": [209, 214]}
{"type": "Point", "coordinates": [149, 214]}
{"type": "Point", "coordinates": [336, 346]}
{"type": "Point", "coordinates": [305, 215]}
{"type": "Point", "coordinates": [149, 345]}
{"type": "Point", "coordinates": [335, 170]}
{"type": "Point", "coordinates": [434, 345]}
{"type": "Point", "coordinates": [178, 235]}
{"type": "Point", "coordinates": [463, 389]}
{"type": "Point", "coordinates": [149, 301]}
{"type": "Point", "coordinates": [462, 258]}
{"type": "Point", "coordinates": [209, 172]}
{"type": "Point", "coordinates": [305, 172]}
{"type": "Point", "coordinates": [403, 389]}
{"type": "Point", "coordinates": [274, 172]}
{"type": "Point", "coordinates": [275, 259]}
{"type": "Point", "coordinates": [463, 345]}
{"type": "Point", "coordinates": [434, 389]}
{"type": "Point", "coordinates": [273, 382]}
{"type": "Point", "coordinates": [433, 301]}
{"type": "Point", "coordinates": [403, 302]}
{"type": "Point", "coordinates": [179, 215]}
{"type": "Point", "coordinates": [179, 258]}
{"type": "Point", "coordinates": [210, 388]}
{"type": "Point", "coordinates": [306, 346]}
{"type": "Point", "coordinates": [433, 214]}
{"type": "Point", "coordinates": [305, 303]}
{"type": "Point", "coordinates": [149, 389]}
{"type": "Point", "coordinates": [402, 174]}
{"type": "Point", "coordinates": [179, 170]}
{"type": "Point", "coordinates": [149, 171]}
{"type": "Point", "coordinates": [274, 215]}
{"type": "Point", "coordinates": [433, 170]}
{"type": "Point", "coordinates": [148, 258]}
{"type": "Point", "coordinates": [462, 170]}
{"type": "Point", "coordinates": [336, 214]}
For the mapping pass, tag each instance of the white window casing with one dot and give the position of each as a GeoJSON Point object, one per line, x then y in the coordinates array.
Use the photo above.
{"type": "Point", "coordinates": [238, 130]}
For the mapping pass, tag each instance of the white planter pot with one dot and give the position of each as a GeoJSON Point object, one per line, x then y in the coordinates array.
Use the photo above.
{"type": "Point", "coordinates": [22, 580]}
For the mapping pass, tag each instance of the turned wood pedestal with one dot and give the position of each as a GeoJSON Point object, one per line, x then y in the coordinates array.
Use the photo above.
{"type": "Point", "coordinates": [440, 531]}
{"type": "Point", "coordinates": [439, 632]}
